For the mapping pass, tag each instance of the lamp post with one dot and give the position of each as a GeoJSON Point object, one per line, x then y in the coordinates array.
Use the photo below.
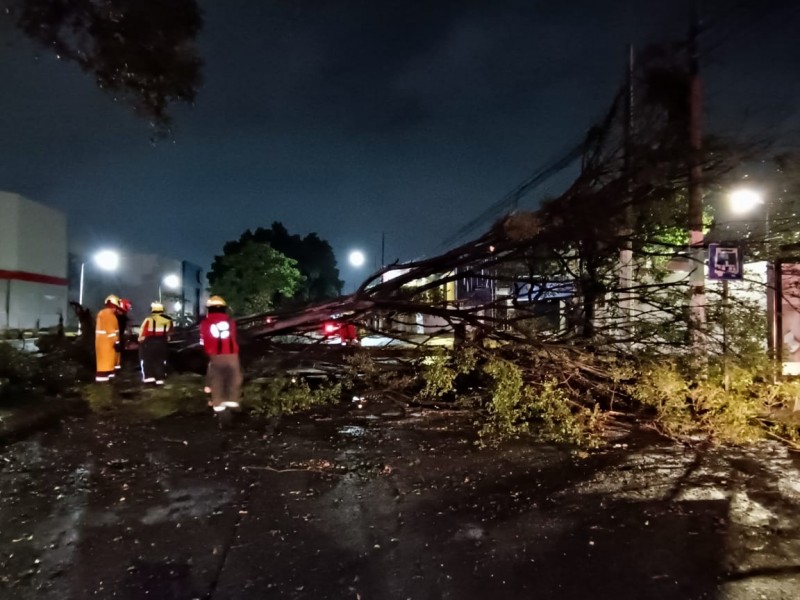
{"type": "Point", "coordinates": [105, 260]}
{"type": "Point", "coordinates": [743, 201]}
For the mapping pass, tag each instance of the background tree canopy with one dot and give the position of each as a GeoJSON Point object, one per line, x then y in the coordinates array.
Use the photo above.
{"type": "Point", "coordinates": [254, 277]}
{"type": "Point", "coordinates": [314, 258]}
{"type": "Point", "coordinates": [142, 51]}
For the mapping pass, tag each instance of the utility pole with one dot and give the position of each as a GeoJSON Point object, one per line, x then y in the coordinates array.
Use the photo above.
{"type": "Point", "coordinates": [626, 252]}
{"type": "Point", "coordinates": [383, 249]}
{"type": "Point", "coordinates": [697, 299]}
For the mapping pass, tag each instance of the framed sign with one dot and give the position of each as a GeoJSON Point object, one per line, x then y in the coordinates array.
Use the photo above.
{"type": "Point", "coordinates": [725, 262]}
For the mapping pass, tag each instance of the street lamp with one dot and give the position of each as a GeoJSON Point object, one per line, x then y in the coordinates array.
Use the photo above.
{"type": "Point", "coordinates": [170, 281]}
{"type": "Point", "coordinates": [744, 200]}
{"type": "Point", "coordinates": [356, 258]}
{"type": "Point", "coordinates": [105, 260]}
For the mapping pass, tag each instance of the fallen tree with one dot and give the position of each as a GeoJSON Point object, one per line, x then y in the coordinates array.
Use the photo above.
{"type": "Point", "coordinates": [545, 326]}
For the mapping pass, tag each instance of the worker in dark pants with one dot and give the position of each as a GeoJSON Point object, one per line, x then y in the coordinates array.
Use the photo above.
{"type": "Point", "coordinates": [153, 341]}
{"type": "Point", "coordinates": [218, 336]}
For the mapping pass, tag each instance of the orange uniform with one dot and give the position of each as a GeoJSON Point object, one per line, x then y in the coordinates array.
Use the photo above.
{"type": "Point", "coordinates": [106, 334]}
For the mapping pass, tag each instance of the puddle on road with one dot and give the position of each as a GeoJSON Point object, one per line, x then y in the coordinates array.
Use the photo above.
{"type": "Point", "coordinates": [352, 431]}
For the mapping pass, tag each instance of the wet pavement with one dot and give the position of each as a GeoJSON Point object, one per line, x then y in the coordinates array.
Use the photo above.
{"type": "Point", "coordinates": [377, 503]}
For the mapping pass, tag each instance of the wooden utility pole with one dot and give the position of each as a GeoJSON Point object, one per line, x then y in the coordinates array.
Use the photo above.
{"type": "Point", "coordinates": [697, 298]}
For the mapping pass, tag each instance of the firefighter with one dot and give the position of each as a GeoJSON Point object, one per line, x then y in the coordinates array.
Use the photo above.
{"type": "Point", "coordinates": [122, 319]}
{"type": "Point", "coordinates": [218, 337]}
{"type": "Point", "coordinates": [106, 338]}
{"type": "Point", "coordinates": [153, 338]}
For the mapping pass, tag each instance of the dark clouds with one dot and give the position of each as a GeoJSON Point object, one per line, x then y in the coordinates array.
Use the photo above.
{"type": "Point", "coordinates": [351, 118]}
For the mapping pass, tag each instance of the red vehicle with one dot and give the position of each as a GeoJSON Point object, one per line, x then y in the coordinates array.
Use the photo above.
{"type": "Point", "coordinates": [346, 332]}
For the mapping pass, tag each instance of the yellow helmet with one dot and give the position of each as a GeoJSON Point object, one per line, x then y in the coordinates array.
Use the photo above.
{"type": "Point", "coordinates": [156, 307]}
{"type": "Point", "coordinates": [113, 300]}
{"type": "Point", "coordinates": [216, 301]}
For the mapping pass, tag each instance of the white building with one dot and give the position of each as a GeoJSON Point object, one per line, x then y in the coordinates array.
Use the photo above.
{"type": "Point", "coordinates": [33, 264]}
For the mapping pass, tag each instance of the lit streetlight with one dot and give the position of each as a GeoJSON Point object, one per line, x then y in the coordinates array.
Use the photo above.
{"type": "Point", "coordinates": [105, 260]}
{"type": "Point", "coordinates": [170, 281]}
{"type": "Point", "coordinates": [356, 258]}
{"type": "Point", "coordinates": [745, 200]}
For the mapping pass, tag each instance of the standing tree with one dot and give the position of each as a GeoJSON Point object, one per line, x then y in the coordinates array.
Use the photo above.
{"type": "Point", "coordinates": [142, 51]}
{"type": "Point", "coordinates": [314, 257]}
{"type": "Point", "coordinates": [254, 277]}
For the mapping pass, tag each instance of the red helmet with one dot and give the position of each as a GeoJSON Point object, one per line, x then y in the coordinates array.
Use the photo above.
{"type": "Point", "coordinates": [125, 305]}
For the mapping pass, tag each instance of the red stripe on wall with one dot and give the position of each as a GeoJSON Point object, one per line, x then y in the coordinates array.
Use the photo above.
{"type": "Point", "coordinates": [33, 277]}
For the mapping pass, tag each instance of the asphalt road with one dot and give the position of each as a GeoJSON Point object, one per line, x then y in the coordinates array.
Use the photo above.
{"type": "Point", "coordinates": [375, 503]}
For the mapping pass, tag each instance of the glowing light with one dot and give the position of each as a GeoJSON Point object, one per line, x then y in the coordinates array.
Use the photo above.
{"type": "Point", "coordinates": [357, 258]}
{"type": "Point", "coordinates": [745, 200]}
{"type": "Point", "coordinates": [172, 281]}
{"type": "Point", "coordinates": [107, 260]}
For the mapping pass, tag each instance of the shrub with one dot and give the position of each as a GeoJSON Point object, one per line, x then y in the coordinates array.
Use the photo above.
{"type": "Point", "coordinates": [440, 370]}
{"type": "Point", "coordinates": [734, 404]}
{"type": "Point", "coordinates": [517, 407]}
{"type": "Point", "coordinates": [275, 396]}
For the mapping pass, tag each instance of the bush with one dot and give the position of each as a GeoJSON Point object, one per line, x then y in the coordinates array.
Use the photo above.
{"type": "Point", "coordinates": [17, 367]}
{"type": "Point", "coordinates": [517, 407]}
{"type": "Point", "coordinates": [54, 373]}
{"type": "Point", "coordinates": [735, 404]}
{"type": "Point", "coordinates": [276, 396]}
{"type": "Point", "coordinates": [440, 370]}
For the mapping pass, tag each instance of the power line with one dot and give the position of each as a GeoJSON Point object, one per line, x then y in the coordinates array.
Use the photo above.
{"type": "Point", "coordinates": [548, 170]}
{"type": "Point", "coordinates": [512, 198]}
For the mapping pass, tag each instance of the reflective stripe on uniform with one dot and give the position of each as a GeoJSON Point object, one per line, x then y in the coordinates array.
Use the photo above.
{"type": "Point", "coordinates": [221, 330]}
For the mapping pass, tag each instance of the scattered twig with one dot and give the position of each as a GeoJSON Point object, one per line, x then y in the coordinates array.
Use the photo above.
{"type": "Point", "coordinates": [290, 470]}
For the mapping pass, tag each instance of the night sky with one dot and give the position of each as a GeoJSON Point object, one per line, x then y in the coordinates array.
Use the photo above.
{"type": "Point", "coordinates": [353, 118]}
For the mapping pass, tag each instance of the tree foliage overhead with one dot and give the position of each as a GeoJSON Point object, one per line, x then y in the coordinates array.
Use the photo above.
{"type": "Point", "coordinates": [141, 51]}
{"type": "Point", "coordinates": [254, 277]}
{"type": "Point", "coordinates": [314, 258]}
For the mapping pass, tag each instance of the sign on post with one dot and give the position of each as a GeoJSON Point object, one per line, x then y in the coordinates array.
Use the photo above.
{"type": "Point", "coordinates": [725, 262]}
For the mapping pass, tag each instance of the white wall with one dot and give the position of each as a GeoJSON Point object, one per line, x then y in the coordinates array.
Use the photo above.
{"type": "Point", "coordinates": [9, 217]}
{"type": "Point", "coordinates": [33, 242]}
{"type": "Point", "coordinates": [42, 241]}
{"type": "Point", "coordinates": [34, 304]}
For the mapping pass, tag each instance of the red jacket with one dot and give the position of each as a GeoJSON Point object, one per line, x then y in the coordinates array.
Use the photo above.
{"type": "Point", "coordinates": [218, 335]}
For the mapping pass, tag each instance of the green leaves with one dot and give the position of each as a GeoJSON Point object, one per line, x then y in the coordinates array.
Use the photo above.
{"type": "Point", "coordinates": [314, 259]}
{"type": "Point", "coordinates": [253, 277]}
